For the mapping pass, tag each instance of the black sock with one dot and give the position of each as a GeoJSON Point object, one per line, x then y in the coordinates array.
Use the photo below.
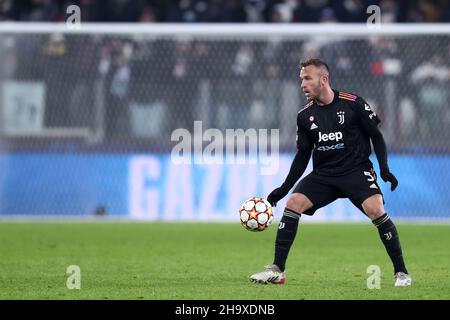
{"type": "Point", "coordinates": [287, 230]}
{"type": "Point", "coordinates": [389, 236]}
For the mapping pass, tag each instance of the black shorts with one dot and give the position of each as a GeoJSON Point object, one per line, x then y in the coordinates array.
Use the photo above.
{"type": "Point", "coordinates": [357, 186]}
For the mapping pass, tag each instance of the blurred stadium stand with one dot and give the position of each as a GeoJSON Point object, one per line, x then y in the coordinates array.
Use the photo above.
{"type": "Point", "coordinates": [227, 11]}
{"type": "Point", "coordinates": [95, 93]}
{"type": "Point", "coordinates": [134, 91]}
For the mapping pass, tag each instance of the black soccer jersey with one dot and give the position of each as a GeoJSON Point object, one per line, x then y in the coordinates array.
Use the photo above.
{"type": "Point", "coordinates": [337, 133]}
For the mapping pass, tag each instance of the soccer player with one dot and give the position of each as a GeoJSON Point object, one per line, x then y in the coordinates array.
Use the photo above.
{"type": "Point", "coordinates": [336, 127]}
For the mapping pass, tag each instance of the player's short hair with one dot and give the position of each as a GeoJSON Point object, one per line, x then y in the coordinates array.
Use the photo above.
{"type": "Point", "coordinates": [315, 62]}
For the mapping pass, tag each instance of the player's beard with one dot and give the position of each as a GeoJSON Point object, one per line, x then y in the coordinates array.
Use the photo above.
{"type": "Point", "coordinates": [312, 96]}
{"type": "Point", "coordinates": [317, 91]}
{"type": "Point", "coordinates": [314, 93]}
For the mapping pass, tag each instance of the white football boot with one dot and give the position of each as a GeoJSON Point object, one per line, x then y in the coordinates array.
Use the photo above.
{"type": "Point", "coordinates": [402, 279]}
{"type": "Point", "coordinates": [272, 274]}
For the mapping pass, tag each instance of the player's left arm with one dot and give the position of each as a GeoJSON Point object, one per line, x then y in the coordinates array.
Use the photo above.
{"type": "Point", "coordinates": [370, 121]}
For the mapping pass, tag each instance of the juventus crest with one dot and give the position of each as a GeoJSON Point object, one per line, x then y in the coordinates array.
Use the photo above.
{"type": "Point", "coordinates": [341, 117]}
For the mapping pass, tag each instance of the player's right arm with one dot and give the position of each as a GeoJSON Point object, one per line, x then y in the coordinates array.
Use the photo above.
{"type": "Point", "coordinates": [298, 166]}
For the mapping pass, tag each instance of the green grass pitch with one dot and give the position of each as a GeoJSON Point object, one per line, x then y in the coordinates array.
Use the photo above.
{"type": "Point", "coordinates": [214, 261]}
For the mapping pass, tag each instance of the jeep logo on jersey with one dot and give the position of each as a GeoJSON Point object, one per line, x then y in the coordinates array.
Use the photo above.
{"type": "Point", "coordinates": [333, 136]}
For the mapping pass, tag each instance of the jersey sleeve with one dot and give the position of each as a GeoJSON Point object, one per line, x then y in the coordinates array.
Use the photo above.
{"type": "Point", "coordinates": [369, 122]}
{"type": "Point", "coordinates": [303, 140]}
{"type": "Point", "coordinates": [369, 119]}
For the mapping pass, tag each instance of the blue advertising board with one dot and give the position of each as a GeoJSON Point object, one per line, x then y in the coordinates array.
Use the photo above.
{"type": "Point", "coordinates": [152, 187]}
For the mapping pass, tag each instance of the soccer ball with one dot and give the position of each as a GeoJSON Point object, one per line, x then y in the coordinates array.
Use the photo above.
{"type": "Point", "coordinates": [256, 214]}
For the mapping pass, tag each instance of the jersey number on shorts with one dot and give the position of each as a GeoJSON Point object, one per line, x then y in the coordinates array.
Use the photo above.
{"type": "Point", "coordinates": [371, 178]}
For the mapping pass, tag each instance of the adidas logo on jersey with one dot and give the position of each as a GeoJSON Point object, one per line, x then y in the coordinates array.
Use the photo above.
{"type": "Point", "coordinates": [313, 126]}
{"type": "Point", "coordinates": [333, 136]}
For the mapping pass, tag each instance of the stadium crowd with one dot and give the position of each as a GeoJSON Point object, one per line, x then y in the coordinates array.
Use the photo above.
{"type": "Point", "coordinates": [284, 11]}
{"type": "Point", "coordinates": [244, 81]}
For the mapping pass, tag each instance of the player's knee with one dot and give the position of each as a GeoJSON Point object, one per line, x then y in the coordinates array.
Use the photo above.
{"type": "Point", "coordinates": [298, 203]}
{"type": "Point", "coordinates": [373, 207]}
{"type": "Point", "coordinates": [374, 211]}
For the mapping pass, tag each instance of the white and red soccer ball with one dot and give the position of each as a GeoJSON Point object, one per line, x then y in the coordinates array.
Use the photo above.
{"type": "Point", "coordinates": [256, 214]}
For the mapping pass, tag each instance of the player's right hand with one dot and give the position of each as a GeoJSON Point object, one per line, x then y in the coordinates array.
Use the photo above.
{"type": "Point", "coordinates": [276, 195]}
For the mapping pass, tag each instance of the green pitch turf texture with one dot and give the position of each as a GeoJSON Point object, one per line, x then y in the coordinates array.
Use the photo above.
{"type": "Point", "coordinates": [214, 261]}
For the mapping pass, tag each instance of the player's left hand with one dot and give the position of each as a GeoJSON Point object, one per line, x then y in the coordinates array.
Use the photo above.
{"type": "Point", "coordinates": [386, 175]}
